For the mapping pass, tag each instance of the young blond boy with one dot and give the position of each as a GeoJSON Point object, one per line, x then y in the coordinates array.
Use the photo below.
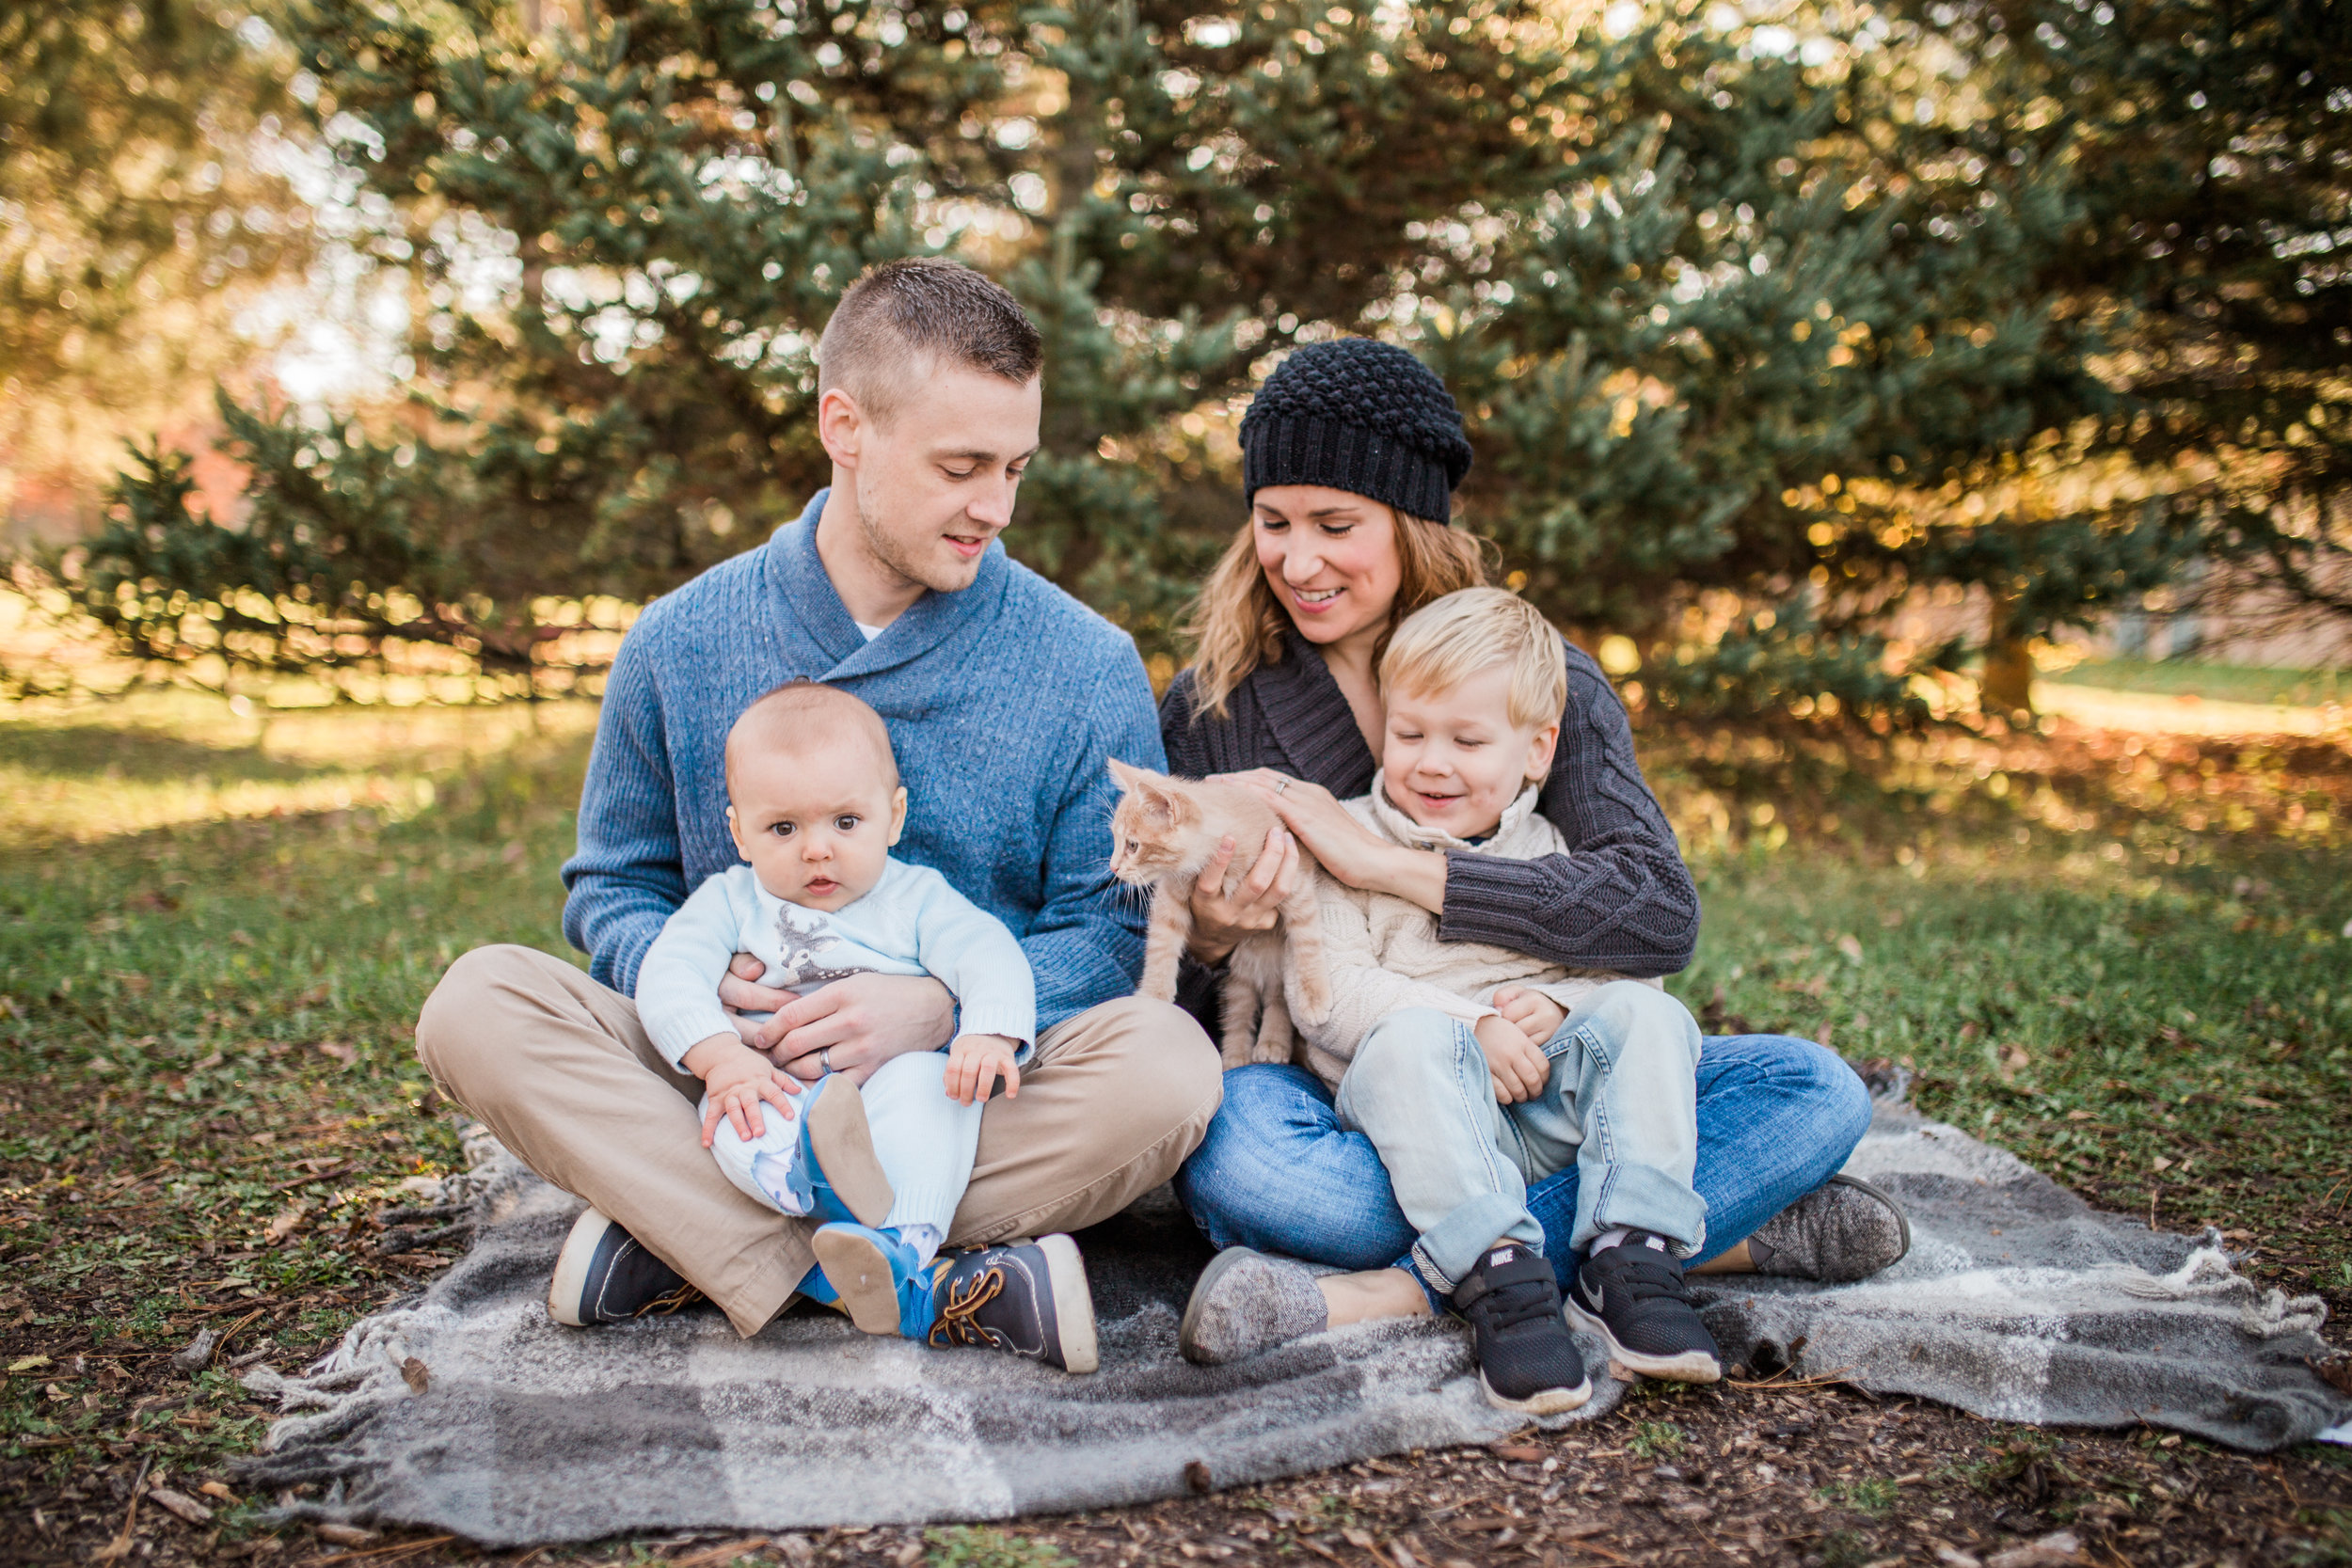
{"type": "Point", "coordinates": [1474, 1070]}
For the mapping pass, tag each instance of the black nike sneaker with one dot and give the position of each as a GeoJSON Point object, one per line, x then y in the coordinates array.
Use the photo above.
{"type": "Point", "coordinates": [1029, 1298]}
{"type": "Point", "coordinates": [1632, 1295]}
{"type": "Point", "coordinates": [1527, 1359]}
{"type": "Point", "coordinates": [605, 1276]}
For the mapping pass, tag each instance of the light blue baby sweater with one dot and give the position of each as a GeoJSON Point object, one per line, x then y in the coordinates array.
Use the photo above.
{"type": "Point", "coordinates": [909, 923]}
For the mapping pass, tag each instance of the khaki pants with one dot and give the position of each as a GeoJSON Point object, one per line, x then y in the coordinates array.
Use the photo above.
{"type": "Point", "coordinates": [559, 1067]}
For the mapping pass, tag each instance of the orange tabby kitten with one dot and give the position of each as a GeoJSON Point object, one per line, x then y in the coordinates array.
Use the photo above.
{"type": "Point", "coordinates": [1166, 831]}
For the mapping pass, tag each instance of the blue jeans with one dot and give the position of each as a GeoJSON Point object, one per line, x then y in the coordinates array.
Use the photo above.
{"type": "Point", "coordinates": [1618, 1103]}
{"type": "Point", "coordinates": [1776, 1118]}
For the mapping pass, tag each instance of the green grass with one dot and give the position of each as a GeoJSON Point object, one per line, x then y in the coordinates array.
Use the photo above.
{"type": "Point", "coordinates": [980, 1547]}
{"type": "Point", "coordinates": [2221, 683]}
{"type": "Point", "coordinates": [212, 953]}
{"type": "Point", "coordinates": [1873, 1495]}
{"type": "Point", "coordinates": [2178, 1036]}
{"type": "Point", "coordinates": [206, 1066]}
{"type": "Point", "coordinates": [1655, 1440]}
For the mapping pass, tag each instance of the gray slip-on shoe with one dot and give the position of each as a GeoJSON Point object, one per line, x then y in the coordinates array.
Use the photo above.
{"type": "Point", "coordinates": [1843, 1230]}
{"type": "Point", "coordinates": [1246, 1303]}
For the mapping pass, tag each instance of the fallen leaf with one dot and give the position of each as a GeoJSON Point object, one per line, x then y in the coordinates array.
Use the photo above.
{"type": "Point", "coordinates": [2258, 1103]}
{"type": "Point", "coordinates": [283, 1226]}
{"type": "Point", "coordinates": [220, 1490]}
{"type": "Point", "coordinates": [1521, 1455]}
{"type": "Point", "coordinates": [2055, 1550]}
{"type": "Point", "coordinates": [198, 1353]}
{"type": "Point", "coordinates": [415, 1373]}
{"type": "Point", "coordinates": [1851, 947]}
{"type": "Point", "coordinates": [1355, 1537]}
{"type": "Point", "coordinates": [179, 1505]}
{"type": "Point", "coordinates": [342, 1050]}
{"type": "Point", "coordinates": [27, 1364]}
{"type": "Point", "coordinates": [346, 1535]}
{"type": "Point", "coordinates": [2162, 1164]}
{"type": "Point", "coordinates": [745, 1548]}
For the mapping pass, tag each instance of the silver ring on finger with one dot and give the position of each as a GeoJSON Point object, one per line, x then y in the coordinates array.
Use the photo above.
{"type": "Point", "coordinates": [824, 1058]}
{"type": "Point", "coordinates": [1282, 786]}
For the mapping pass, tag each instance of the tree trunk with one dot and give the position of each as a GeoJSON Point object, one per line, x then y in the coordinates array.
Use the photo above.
{"type": "Point", "coordinates": [2008, 689]}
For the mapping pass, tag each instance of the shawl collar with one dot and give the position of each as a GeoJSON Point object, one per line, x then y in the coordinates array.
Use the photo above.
{"type": "Point", "coordinates": [1311, 721]}
{"type": "Point", "coordinates": [810, 606]}
{"type": "Point", "coordinates": [1503, 841]}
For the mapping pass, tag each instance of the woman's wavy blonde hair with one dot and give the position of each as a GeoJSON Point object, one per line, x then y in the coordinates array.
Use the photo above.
{"type": "Point", "coordinates": [1236, 625]}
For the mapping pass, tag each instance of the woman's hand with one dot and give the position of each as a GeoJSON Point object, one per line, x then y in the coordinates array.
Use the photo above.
{"type": "Point", "coordinates": [1219, 923]}
{"type": "Point", "coordinates": [1344, 847]}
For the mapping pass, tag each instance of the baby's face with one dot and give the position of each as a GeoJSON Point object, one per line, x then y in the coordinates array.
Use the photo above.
{"type": "Point", "coordinates": [816, 826]}
{"type": "Point", "coordinates": [1453, 759]}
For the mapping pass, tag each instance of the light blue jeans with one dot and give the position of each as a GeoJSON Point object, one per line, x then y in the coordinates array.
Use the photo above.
{"type": "Point", "coordinates": [1278, 1172]}
{"type": "Point", "coordinates": [1620, 1103]}
{"type": "Point", "coordinates": [924, 1141]}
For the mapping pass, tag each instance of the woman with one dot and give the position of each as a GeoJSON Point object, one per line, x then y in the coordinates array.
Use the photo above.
{"type": "Point", "coordinates": [1350, 454]}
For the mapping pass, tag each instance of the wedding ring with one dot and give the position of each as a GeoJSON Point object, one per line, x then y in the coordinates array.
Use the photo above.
{"type": "Point", "coordinates": [1282, 786]}
{"type": "Point", "coordinates": [824, 1058]}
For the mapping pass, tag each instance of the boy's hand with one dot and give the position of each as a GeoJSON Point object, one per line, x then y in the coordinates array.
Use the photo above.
{"type": "Point", "coordinates": [735, 1079]}
{"type": "Point", "coordinates": [1515, 1062]}
{"type": "Point", "coordinates": [974, 1062]}
{"type": "Point", "coordinates": [1539, 1016]}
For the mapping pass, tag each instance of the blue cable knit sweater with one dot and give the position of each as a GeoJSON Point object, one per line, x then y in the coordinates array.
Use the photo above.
{"type": "Point", "coordinates": [1005, 703]}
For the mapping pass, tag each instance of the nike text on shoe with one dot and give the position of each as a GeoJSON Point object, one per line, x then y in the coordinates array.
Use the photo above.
{"type": "Point", "coordinates": [605, 1276]}
{"type": "Point", "coordinates": [1633, 1296]}
{"type": "Point", "coordinates": [881, 1281]}
{"type": "Point", "coordinates": [1527, 1359]}
{"type": "Point", "coordinates": [1029, 1298]}
{"type": "Point", "coordinates": [1842, 1232]}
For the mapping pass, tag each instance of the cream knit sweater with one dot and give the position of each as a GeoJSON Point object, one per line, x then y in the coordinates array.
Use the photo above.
{"type": "Point", "coordinates": [1384, 952]}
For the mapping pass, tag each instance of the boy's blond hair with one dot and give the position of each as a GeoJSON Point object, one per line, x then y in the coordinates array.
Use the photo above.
{"type": "Point", "coordinates": [1448, 640]}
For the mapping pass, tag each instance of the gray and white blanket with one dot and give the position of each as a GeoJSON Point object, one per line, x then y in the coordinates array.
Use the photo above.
{"type": "Point", "coordinates": [468, 1411]}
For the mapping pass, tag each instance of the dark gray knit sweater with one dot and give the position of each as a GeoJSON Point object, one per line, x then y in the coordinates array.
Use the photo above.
{"type": "Point", "coordinates": [1620, 899]}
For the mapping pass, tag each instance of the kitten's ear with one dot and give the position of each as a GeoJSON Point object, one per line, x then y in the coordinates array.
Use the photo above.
{"type": "Point", "coordinates": [1130, 777]}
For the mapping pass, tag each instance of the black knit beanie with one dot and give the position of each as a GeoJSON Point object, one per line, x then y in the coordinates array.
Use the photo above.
{"type": "Point", "coordinates": [1359, 415]}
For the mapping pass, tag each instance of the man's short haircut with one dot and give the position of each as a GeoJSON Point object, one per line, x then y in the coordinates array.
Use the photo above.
{"type": "Point", "coordinates": [803, 716]}
{"type": "Point", "coordinates": [1448, 640]}
{"type": "Point", "coordinates": [901, 314]}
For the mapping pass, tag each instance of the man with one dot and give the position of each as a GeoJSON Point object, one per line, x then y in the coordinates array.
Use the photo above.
{"type": "Point", "coordinates": [1005, 699]}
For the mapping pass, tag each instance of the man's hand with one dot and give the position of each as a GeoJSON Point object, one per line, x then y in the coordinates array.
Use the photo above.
{"type": "Point", "coordinates": [1219, 923]}
{"type": "Point", "coordinates": [1515, 1062]}
{"type": "Point", "coordinates": [858, 1024]}
{"type": "Point", "coordinates": [735, 1079]}
{"type": "Point", "coordinates": [975, 1061]}
{"type": "Point", "coordinates": [740, 992]}
{"type": "Point", "coordinates": [1539, 1016]}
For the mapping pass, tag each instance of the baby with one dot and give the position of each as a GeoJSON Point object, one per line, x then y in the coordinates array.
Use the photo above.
{"type": "Point", "coordinates": [1475, 1070]}
{"type": "Point", "coordinates": [815, 805]}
